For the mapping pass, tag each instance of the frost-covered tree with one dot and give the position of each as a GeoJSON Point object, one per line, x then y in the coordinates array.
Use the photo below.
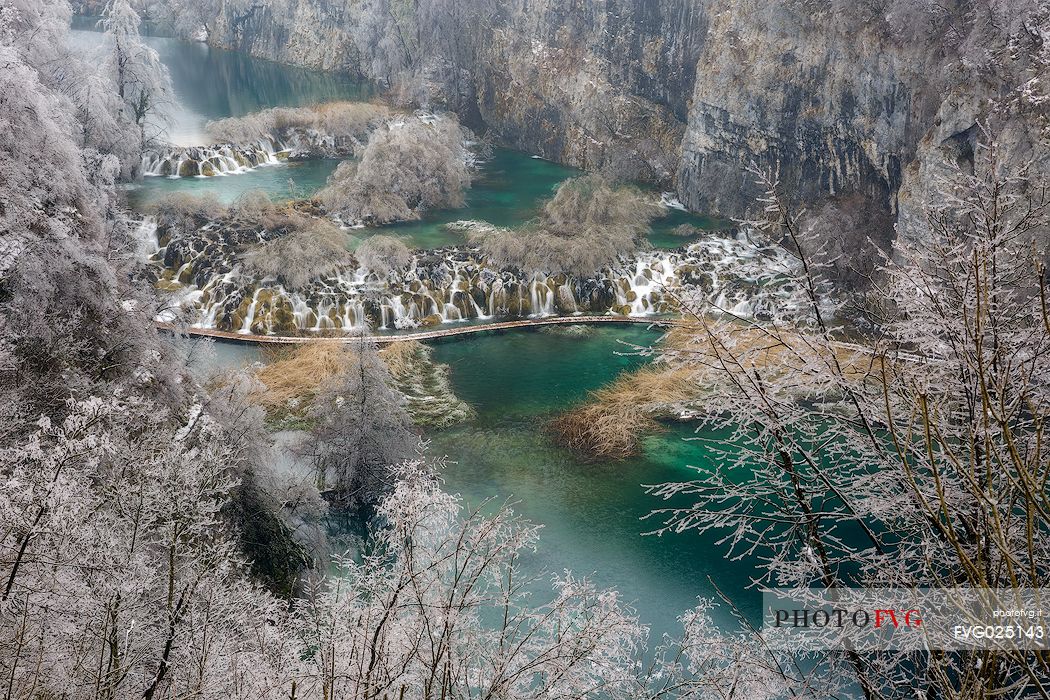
{"type": "Point", "coordinates": [119, 578]}
{"type": "Point", "coordinates": [360, 430]}
{"type": "Point", "coordinates": [588, 224]}
{"type": "Point", "coordinates": [915, 462]}
{"type": "Point", "coordinates": [112, 556]}
{"type": "Point", "coordinates": [37, 32]}
{"type": "Point", "coordinates": [193, 19]}
{"type": "Point", "coordinates": [409, 166]}
{"type": "Point", "coordinates": [424, 50]}
{"type": "Point", "coordinates": [440, 607]}
{"type": "Point", "coordinates": [383, 254]}
{"type": "Point", "coordinates": [141, 79]}
{"type": "Point", "coordinates": [71, 322]}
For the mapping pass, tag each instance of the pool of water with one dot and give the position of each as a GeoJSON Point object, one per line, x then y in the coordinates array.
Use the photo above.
{"type": "Point", "coordinates": [508, 190]}
{"type": "Point", "coordinates": [592, 513]}
{"type": "Point", "coordinates": [281, 181]}
{"type": "Point", "coordinates": [211, 83]}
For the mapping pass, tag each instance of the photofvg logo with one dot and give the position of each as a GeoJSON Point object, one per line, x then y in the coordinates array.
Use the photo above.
{"type": "Point", "coordinates": [840, 617]}
{"type": "Point", "coordinates": [907, 619]}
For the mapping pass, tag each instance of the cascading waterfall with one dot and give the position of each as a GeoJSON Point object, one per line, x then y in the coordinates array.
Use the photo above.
{"type": "Point", "coordinates": [146, 238]}
{"type": "Point", "coordinates": [236, 158]}
{"type": "Point", "coordinates": [210, 161]}
{"type": "Point", "coordinates": [249, 317]}
{"type": "Point", "coordinates": [540, 299]}
{"type": "Point", "coordinates": [452, 285]}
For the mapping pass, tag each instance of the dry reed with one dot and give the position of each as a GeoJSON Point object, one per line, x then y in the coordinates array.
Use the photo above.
{"type": "Point", "coordinates": [612, 422]}
{"type": "Point", "coordinates": [614, 419]}
{"type": "Point", "coordinates": [292, 377]}
{"type": "Point", "coordinates": [400, 358]}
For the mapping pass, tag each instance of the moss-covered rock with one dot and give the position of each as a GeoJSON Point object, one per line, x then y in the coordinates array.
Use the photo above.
{"type": "Point", "coordinates": [431, 320]}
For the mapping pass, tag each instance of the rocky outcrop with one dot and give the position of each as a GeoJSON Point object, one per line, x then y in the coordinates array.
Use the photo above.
{"type": "Point", "coordinates": [830, 113]}
{"type": "Point", "coordinates": [312, 33]}
{"type": "Point", "coordinates": [594, 85]}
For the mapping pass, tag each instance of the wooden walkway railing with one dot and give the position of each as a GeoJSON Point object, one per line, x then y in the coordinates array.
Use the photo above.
{"type": "Point", "coordinates": [419, 335]}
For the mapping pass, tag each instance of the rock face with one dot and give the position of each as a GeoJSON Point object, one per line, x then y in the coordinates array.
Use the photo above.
{"type": "Point", "coordinates": [312, 33]}
{"type": "Point", "coordinates": [595, 84]}
{"type": "Point", "coordinates": [846, 102]}
{"type": "Point", "coordinates": [831, 113]}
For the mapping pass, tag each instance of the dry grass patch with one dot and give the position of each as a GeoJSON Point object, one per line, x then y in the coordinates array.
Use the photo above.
{"type": "Point", "coordinates": [341, 120]}
{"type": "Point", "coordinates": [773, 352]}
{"type": "Point", "coordinates": [292, 377]}
{"type": "Point", "coordinates": [401, 358]}
{"type": "Point", "coordinates": [615, 418]}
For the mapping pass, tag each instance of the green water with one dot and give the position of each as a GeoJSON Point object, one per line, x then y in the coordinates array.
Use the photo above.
{"type": "Point", "coordinates": [282, 181]}
{"type": "Point", "coordinates": [663, 234]}
{"type": "Point", "coordinates": [591, 513]}
{"type": "Point", "coordinates": [508, 190]}
{"type": "Point", "coordinates": [211, 83]}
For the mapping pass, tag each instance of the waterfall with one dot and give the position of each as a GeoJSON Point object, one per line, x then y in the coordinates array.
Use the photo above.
{"type": "Point", "coordinates": [541, 301]}
{"type": "Point", "coordinates": [452, 285]}
{"type": "Point", "coordinates": [669, 200]}
{"type": "Point", "coordinates": [249, 317]}
{"type": "Point", "coordinates": [649, 279]}
{"type": "Point", "coordinates": [210, 161]}
{"type": "Point", "coordinates": [146, 238]}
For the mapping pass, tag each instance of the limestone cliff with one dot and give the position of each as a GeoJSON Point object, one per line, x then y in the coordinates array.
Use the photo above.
{"type": "Point", "coordinates": [847, 102]}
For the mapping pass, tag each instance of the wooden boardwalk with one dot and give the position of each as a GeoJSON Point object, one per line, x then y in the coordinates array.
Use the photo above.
{"type": "Point", "coordinates": [453, 331]}
{"type": "Point", "coordinates": [419, 335]}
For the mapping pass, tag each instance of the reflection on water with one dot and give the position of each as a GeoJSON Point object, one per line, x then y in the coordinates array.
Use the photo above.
{"type": "Point", "coordinates": [212, 83]}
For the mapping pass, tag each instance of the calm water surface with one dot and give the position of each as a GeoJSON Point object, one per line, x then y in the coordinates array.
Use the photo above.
{"type": "Point", "coordinates": [282, 181]}
{"type": "Point", "coordinates": [508, 189]}
{"type": "Point", "coordinates": [212, 83]}
{"type": "Point", "coordinates": [591, 513]}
